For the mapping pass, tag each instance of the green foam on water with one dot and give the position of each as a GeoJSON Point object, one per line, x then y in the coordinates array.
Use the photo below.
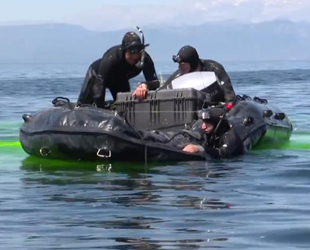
{"type": "Point", "coordinates": [291, 145]}
{"type": "Point", "coordinates": [298, 146]}
{"type": "Point", "coordinates": [300, 140]}
{"type": "Point", "coordinates": [10, 144]}
{"type": "Point", "coordinates": [11, 147]}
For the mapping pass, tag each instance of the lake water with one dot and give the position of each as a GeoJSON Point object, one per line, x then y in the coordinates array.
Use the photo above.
{"type": "Point", "coordinates": [256, 201]}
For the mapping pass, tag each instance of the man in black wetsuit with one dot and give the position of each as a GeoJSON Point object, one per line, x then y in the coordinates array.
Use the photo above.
{"type": "Point", "coordinates": [113, 71]}
{"type": "Point", "coordinates": [221, 140]}
{"type": "Point", "coordinates": [189, 61]}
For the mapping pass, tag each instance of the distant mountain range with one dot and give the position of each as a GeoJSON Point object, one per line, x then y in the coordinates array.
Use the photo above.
{"type": "Point", "coordinates": [64, 43]}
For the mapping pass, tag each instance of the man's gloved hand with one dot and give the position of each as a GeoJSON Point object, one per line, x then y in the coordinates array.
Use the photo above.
{"type": "Point", "coordinates": [141, 91]}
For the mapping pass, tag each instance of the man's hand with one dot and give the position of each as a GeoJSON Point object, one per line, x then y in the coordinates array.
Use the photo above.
{"type": "Point", "coordinates": [191, 148]}
{"type": "Point", "coordinates": [141, 91]}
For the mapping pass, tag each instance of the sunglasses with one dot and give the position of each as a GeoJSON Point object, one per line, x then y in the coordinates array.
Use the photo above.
{"type": "Point", "coordinates": [135, 51]}
{"type": "Point", "coordinates": [176, 59]}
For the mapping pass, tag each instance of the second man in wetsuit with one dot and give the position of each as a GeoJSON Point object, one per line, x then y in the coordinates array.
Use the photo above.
{"type": "Point", "coordinates": [113, 71]}
{"type": "Point", "coordinates": [189, 61]}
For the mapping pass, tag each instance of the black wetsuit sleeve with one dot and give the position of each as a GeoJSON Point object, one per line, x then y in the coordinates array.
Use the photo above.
{"type": "Point", "coordinates": [149, 73]}
{"type": "Point", "coordinates": [230, 145]}
{"type": "Point", "coordinates": [224, 80]}
{"type": "Point", "coordinates": [153, 85]}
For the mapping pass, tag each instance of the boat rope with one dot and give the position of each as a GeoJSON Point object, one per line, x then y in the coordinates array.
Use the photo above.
{"type": "Point", "coordinates": [141, 136]}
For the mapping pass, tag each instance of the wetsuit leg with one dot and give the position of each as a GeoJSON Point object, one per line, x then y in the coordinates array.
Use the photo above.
{"type": "Point", "coordinates": [86, 93]}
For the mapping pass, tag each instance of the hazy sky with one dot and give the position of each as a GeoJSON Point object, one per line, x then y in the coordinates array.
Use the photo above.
{"type": "Point", "coordinates": [116, 14]}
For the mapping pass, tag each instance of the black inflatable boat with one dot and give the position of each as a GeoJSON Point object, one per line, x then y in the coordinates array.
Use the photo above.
{"type": "Point", "coordinates": [155, 129]}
